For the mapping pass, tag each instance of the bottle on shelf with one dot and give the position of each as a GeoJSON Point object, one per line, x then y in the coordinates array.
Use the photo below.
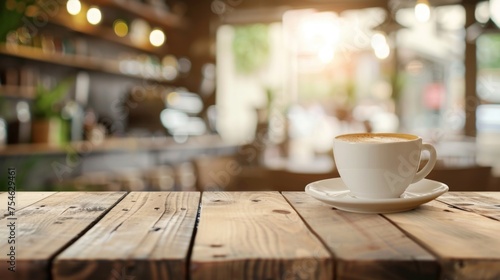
{"type": "Point", "coordinates": [74, 110]}
{"type": "Point", "coordinates": [24, 119]}
{"type": "Point", "coordinates": [3, 132]}
{"type": "Point", "coordinates": [19, 124]}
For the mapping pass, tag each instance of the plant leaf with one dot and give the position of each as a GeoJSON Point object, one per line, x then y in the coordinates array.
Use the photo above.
{"type": "Point", "coordinates": [46, 99]}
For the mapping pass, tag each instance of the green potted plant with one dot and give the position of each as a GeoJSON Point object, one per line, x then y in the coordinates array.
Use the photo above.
{"type": "Point", "coordinates": [47, 125]}
{"type": "Point", "coordinates": [11, 15]}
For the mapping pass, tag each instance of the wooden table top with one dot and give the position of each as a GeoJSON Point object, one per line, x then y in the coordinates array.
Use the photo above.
{"type": "Point", "coordinates": [244, 235]}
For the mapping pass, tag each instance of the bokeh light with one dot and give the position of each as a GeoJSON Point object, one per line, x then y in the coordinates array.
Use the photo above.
{"type": "Point", "coordinates": [120, 27]}
{"type": "Point", "coordinates": [495, 11]}
{"type": "Point", "coordinates": [139, 31]}
{"type": "Point", "coordinates": [383, 52]}
{"type": "Point", "coordinates": [184, 65]}
{"type": "Point", "coordinates": [73, 7]}
{"type": "Point", "coordinates": [94, 15]}
{"type": "Point", "coordinates": [157, 37]}
{"type": "Point", "coordinates": [380, 45]}
{"type": "Point", "coordinates": [482, 12]}
{"type": "Point", "coordinates": [422, 11]}
{"type": "Point", "coordinates": [378, 40]}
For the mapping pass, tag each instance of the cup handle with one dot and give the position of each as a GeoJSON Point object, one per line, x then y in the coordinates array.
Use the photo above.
{"type": "Point", "coordinates": [429, 165]}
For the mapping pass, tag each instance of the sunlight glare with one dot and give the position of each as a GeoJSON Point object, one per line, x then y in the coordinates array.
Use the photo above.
{"type": "Point", "coordinates": [320, 34]}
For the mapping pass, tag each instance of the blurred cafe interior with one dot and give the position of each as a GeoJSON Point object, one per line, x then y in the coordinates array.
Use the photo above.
{"type": "Point", "coordinates": [241, 94]}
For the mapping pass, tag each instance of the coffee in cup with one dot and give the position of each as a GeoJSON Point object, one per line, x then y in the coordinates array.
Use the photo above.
{"type": "Point", "coordinates": [381, 165]}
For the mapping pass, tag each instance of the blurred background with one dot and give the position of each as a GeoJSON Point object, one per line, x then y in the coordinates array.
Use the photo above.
{"type": "Point", "coordinates": [240, 94]}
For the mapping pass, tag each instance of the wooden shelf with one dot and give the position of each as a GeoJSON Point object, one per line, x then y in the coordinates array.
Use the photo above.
{"type": "Point", "coordinates": [129, 144]}
{"type": "Point", "coordinates": [65, 20]}
{"type": "Point", "coordinates": [26, 92]}
{"type": "Point", "coordinates": [157, 16]}
{"type": "Point", "coordinates": [77, 61]}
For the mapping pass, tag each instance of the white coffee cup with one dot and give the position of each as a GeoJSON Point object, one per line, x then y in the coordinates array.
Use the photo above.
{"type": "Point", "coordinates": [381, 165]}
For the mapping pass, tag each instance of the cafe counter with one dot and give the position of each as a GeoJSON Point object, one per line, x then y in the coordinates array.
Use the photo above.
{"type": "Point", "coordinates": [40, 165]}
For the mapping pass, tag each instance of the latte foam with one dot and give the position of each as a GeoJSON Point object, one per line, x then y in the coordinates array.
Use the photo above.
{"type": "Point", "coordinates": [376, 138]}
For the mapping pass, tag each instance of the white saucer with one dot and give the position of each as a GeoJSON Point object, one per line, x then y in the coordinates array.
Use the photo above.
{"type": "Point", "coordinates": [334, 192]}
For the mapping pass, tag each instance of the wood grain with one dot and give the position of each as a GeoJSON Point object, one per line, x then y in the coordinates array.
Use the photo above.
{"type": "Point", "coordinates": [483, 203]}
{"type": "Point", "coordinates": [146, 236]}
{"type": "Point", "coordinates": [23, 199]}
{"type": "Point", "coordinates": [365, 246]}
{"type": "Point", "coordinates": [466, 243]}
{"type": "Point", "coordinates": [45, 226]}
{"type": "Point", "coordinates": [255, 235]}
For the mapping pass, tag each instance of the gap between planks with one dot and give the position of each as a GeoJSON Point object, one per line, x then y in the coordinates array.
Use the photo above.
{"type": "Point", "coordinates": [147, 235]}
{"type": "Point", "coordinates": [364, 246]}
{"type": "Point", "coordinates": [38, 244]}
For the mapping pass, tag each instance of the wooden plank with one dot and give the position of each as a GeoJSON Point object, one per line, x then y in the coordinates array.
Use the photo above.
{"type": "Point", "coordinates": [466, 243]}
{"type": "Point", "coordinates": [23, 199]}
{"type": "Point", "coordinates": [146, 236]}
{"type": "Point", "coordinates": [45, 227]}
{"type": "Point", "coordinates": [255, 235]}
{"type": "Point", "coordinates": [365, 246]}
{"type": "Point", "coordinates": [483, 203]}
